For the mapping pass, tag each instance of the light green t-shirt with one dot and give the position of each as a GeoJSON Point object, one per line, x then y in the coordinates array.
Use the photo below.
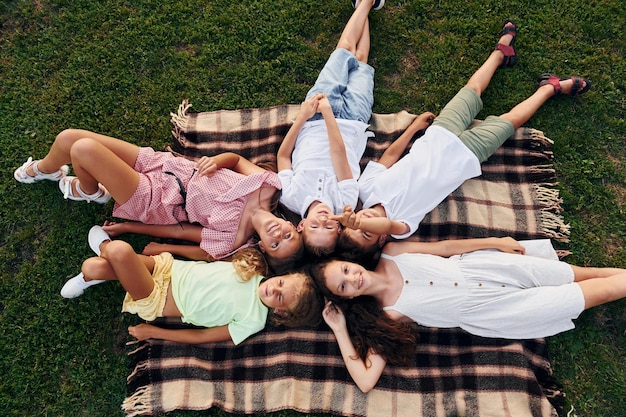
{"type": "Point", "coordinates": [212, 294]}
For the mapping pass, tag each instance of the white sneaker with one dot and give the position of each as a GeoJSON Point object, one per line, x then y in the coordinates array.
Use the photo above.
{"type": "Point", "coordinates": [76, 286]}
{"type": "Point", "coordinates": [96, 236]}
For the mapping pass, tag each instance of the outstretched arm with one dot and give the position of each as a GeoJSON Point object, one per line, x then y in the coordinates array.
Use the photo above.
{"type": "Point", "coordinates": [182, 231]}
{"type": "Point", "coordinates": [395, 150]}
{"type": "Point", "coordinates": [192, 336]}
{"type": "Point", "coordinates": [307, 110]}
{"type": "Point", "coordinates": [365, 373]}
{"type": "Point", "coordinates": [447, 248]}
{"type": "Point", "coordinates": [192, 252]}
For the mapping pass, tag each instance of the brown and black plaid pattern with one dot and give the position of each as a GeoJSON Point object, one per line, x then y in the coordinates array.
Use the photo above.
{"type": "Point", "coordinates": [511, 198]}
{"type": "Point", "coordinates": [454, 374]}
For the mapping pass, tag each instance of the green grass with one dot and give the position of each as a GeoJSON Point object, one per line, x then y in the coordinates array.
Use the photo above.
{"type": "Point", "coordinates": [121, 67]}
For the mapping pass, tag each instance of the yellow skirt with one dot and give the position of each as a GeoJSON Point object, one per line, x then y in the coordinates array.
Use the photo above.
{"type": "Point", "coordinates": [152, 306]}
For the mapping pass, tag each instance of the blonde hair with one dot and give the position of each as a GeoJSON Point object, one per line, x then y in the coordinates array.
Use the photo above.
{"type": "Point", "coordinates": [249, 262]}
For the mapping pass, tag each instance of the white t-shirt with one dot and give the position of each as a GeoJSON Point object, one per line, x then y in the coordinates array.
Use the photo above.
{"type": "Point", "coordinates": [312, 175]}
{"type": "Point", "coordinates": [437, 164]}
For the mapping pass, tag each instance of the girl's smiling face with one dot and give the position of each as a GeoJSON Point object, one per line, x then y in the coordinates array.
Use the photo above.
{"type": "Point", "coordinates": [346, 279]}
{"type": "Point", "coordinates": [278, 238]}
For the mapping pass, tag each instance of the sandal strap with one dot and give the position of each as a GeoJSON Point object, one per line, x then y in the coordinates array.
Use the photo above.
{"type": "Point", "coordinates": [506, 30]}
{"type": "Point", "coordinates": [35, 166]}
{"type": "Point", "coordinates": [88, 197]}
{"type": "Point", "coordinates": [552, 80]}
{"type": "Point", "coordinates": [577, 86]}
{"type": "Point", "coordinates": [507, 50]}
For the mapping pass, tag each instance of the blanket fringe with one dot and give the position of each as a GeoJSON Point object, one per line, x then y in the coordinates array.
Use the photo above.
{"type": "Point", "coordinates": [180, 120]}
{"type": "Point", "coordinates": [540, 137]}
{"type": "Point", "coordinates": [552, 223]}
{"type": "Point", "coordinates": [139, 403]}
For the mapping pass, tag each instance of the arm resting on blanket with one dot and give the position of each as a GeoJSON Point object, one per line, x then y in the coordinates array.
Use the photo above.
{"type": "Point", "coordinates": [207, 165]}
{"type": "Point", "coordinates": [192, 336]}
{"type": "Point", "coordinates": [182, 231]}
{"type": "Point", "coordinates": [192, 252]}
{"type": "Point", "coordinates": [365, 373]}
{"type": "Point", "coordinates": [447, 248]}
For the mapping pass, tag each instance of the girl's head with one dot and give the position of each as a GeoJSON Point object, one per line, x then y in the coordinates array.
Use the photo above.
{"type": "Point", "coordinates": [370, 328]}
{"type": "Point", "coordinates": [278, 239]}
{"type": "Point", "coordinates": [293, 300]}
{"type": "Point", "coordinates": [339, 279]}
{"type": "Point", "coordinates": [319, 232]}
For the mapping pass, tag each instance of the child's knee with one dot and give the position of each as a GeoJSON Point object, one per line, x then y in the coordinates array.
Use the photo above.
{"type": "Point", "coordinates": [83, 149]}
{"type": "Point", "coordinates": [117, 251]}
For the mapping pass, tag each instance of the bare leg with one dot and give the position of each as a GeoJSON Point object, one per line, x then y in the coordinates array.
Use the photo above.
{"type": "Point", "coordinates": [583, 273]}
{"type": "Point", "coordinates": [603, 290]}
{"type": "Point", "coordinates": [118, 261]}
{"type": "Point", "coordinates": [363, 46]}
{"type": "Point", "coordinates": [482, 77]}
{"type": "Point", "coordinates": [521, 113]}
{"type": "Point", "coordinates": [94, 162]}
{"type": "Point", "coordinates": [353, 33]}
{"type": "Point", "coordinates": [59, 153]}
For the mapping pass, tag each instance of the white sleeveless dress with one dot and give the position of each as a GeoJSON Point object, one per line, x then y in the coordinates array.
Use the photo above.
{"type": "Point", "coordinates": [489, 293]}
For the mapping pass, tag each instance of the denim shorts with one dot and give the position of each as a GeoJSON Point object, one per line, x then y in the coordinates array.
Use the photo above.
{"type": "Point", "coordinates": [349, 86]}
{"type": "Point", "coordinates": [484, 138]}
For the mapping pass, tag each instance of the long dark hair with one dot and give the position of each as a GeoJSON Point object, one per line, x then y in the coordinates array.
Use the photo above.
{"type": "Point", "coordinates": [370, 328]}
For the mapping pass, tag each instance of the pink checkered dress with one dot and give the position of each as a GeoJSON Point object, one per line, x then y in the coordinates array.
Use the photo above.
{"type": "Point", "coordinates": [215, 202]}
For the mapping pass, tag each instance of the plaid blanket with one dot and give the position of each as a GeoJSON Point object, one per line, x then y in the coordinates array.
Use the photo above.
{"type": "Point", "coordinates": [454, 373]}
{"type": "Point", "coordinates": [512, 197]}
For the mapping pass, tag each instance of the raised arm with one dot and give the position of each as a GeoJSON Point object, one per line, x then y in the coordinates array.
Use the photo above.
{"type": "Point", "coordinates": [395, 150]}
{"type": "Point", "coordinates": [307, 110]}
{"type": "Point", "coordinates": [336, 145]}
{"type": "Point", "coordinates": [447, 248]}
{"type": "Point", "coordinates": [192, 336]}
{"type": "Point", "coordinates": [365, 373]}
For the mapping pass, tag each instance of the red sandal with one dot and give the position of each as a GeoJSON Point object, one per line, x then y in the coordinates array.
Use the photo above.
{"type": "Point", "coordinates": [555, 82]}
{"type": "Point", "coordinates": [510, 57]}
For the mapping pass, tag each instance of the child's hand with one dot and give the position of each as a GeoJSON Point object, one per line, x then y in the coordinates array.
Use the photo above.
{"type": "Point", "coordinates": [206, 166]}
{"type": "Point", "coordinates": [333, 316]}
{"type": "Point", "coordinates": [423, 121]}
{"type": "Point", "coordinates": [309, 107]}
{"type": "Point", "coordinates": [114, 229]}
{"type": "Point", "coordinates": [142, 331]}
{"type": "Point", "coordinates": [348, 218]}
{"type": "Point", "coordinates": [510, 245]}
{"type": "Point", "coordinates": [153, 248]}
{"type": "Point", "coordinates": [324, 105]}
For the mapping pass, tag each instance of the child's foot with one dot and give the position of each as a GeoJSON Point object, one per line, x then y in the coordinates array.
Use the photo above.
{"type": "Point", "coordinates": [76, 286]}
{"type": "Point", "coordinates": [377, 4]}
{"type": "Point", "coordinates": [29, 172]}
{"type": "Point", "coordinates": [573, 86]}
{"type": "Point", "coordinates": [96, 237]}
{"type": "Point", "coordinates": [70, 187]}
{"type": "Point", "coordinates": [506, 43]}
